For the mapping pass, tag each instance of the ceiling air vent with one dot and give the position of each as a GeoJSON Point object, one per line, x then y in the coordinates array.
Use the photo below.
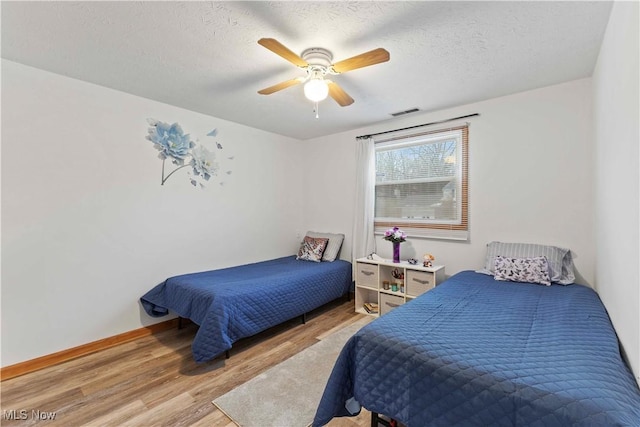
{"type": "Point", "coordinates": [402, 113]}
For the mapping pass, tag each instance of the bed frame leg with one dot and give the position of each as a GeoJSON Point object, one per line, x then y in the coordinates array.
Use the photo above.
{"type": "Point", "coordinates": [303, 318]}
{"type": "Point", "coordinates": [376, 421]}
{"type": "Point", "coordinates": [227, 354]}
{"type": "Point", "coordinates": [180, 325]}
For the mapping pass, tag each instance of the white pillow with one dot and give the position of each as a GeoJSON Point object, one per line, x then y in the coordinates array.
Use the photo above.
{"type": "Point", "coordinates": [559, 259]}
{"type": "Point", "coordinates": [333, 247]}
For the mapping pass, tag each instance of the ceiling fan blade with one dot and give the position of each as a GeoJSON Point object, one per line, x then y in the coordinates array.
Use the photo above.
{"type": "Point", "coordinates": [280, 86]}
{"type": "Point", "coordinates": [372, 57]}
{"type": "Point", "coordinates": [338, 94]}
{"type": "Point", "coordinates": [279, 49]}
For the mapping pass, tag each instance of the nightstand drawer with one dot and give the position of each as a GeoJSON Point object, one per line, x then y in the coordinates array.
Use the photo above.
{"type": "Point", "coordinates": [389, 302]}
{"type": "Point", "coordinates": [367, 275]}
{"type": "Point", "coordinates": [419, 282]}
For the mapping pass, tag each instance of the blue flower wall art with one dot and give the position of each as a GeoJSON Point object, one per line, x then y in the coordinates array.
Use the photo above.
{"type": "Point", "coordinates": [173, 144]}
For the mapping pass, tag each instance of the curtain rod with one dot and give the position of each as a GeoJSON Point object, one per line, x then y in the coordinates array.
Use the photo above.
{"type": "Point", "coordinates": [417, 126]}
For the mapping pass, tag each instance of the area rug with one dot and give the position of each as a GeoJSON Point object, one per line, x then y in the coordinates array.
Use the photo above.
{"type": "Point", "coordinates": [288, 394]}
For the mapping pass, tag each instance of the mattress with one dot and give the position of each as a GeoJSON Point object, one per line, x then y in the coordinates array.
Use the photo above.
{"type": "Point", "coordinates": [237, 302]}
{"type": "Point", "coordinates": [477, 352]}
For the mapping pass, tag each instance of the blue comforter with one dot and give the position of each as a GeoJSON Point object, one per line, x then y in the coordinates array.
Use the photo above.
{"type": "Point", "coordinates": [237, 302]}
{"type": "Point", "coordinates": [478, 352]}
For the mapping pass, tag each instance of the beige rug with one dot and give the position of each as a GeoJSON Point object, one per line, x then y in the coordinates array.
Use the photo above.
{"type": "Point", "coordinates": [288, 394]}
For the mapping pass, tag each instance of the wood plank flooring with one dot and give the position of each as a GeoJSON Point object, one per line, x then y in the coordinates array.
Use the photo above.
{"type": "Point", "coordinates": [153, 381]}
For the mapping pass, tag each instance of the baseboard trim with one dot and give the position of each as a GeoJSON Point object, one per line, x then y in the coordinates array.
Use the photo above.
{"type": "Point", "coordinates": [38, 363]}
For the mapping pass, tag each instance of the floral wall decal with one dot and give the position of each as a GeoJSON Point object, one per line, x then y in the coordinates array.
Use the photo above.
{"type": "Point", "coordinates": [173, 144]}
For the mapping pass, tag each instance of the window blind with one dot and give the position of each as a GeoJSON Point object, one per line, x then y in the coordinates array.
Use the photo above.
{"type": "Point", "coordinates": [422, 182]}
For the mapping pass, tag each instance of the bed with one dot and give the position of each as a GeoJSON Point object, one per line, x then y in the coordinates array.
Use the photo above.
{"type": "Point", "coordinates": [237, 302]}
{"type": "Point", "coordinates": [476, 351]}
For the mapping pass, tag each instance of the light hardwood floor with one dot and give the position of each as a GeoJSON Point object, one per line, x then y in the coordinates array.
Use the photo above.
{"type": "Point", "coordinates": [154, 381]}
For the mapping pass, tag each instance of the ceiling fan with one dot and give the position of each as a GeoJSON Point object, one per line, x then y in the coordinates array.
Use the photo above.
{"type": "Point", "coordinates": [316, 61]}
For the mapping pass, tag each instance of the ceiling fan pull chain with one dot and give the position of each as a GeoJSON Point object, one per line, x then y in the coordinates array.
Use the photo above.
{"type": "Point", "coordinates": [316, 110]}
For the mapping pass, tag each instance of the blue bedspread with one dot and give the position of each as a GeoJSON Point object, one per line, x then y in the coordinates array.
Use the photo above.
{"type": "Point", "coordinates": [237, 302]}
{"type": "Point", "coordinates": [478, 352]}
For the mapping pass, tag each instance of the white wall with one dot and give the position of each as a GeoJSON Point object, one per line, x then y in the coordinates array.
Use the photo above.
{"type": "Point", "coordinates": [530, 175]}
{"type": "Point", "coordinates": [86, 227]}
{"type": "Point", "coordinates": [617, 137]}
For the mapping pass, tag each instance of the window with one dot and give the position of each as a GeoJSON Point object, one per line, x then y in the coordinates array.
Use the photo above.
{"type": "Point", "coordinates": [421, 183]}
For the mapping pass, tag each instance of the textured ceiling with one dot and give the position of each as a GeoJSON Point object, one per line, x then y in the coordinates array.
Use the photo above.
{"type": "Point", "coordinates": [204, 56]}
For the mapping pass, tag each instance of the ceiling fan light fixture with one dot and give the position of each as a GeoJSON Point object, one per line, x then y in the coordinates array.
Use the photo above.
{"type": "Point", "coordinates": [318, 63]}
{"type": "Point", "coordinates": [316, 90]}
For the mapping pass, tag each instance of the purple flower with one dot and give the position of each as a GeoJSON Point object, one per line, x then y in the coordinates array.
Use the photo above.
{"type": "Point", "coordinates": [395, 235]}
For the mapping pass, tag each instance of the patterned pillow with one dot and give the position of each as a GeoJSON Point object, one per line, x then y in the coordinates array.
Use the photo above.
{"type": "Point", "coordinates": [530, 270]}
{"type": "Point", "coordinates": [559, 260]}
{"type": "Point", "coordinates": [333, 246]}
{"type": "Point", "coordinates": [312, 248]}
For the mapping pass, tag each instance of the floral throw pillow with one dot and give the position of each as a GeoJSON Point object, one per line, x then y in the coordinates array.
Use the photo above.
{"type": "Point", "coordinates": [530, 270]}
{"type": "Point", "coordinates": [312, 248]}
